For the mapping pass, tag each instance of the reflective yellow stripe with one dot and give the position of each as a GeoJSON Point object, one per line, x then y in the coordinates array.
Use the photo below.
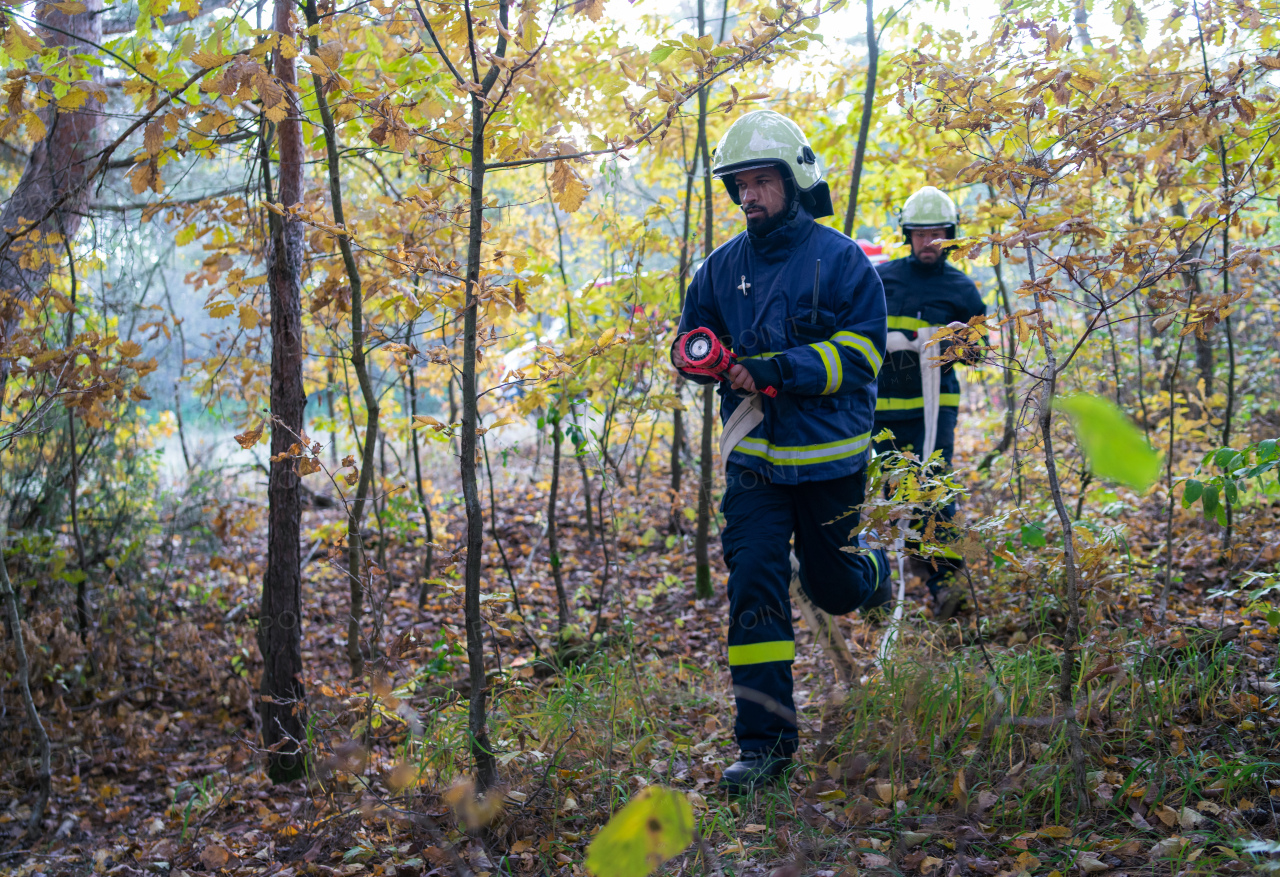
{"type": "Point", "coordinates": [949, 400]}
{"type": "Point", "coordinates": [804, 455]}
{"type": "Point", "coordinates": [831, 362]}
{"type": "Point", "coordinates": [762, 653]}
{"type": "Point", "coordinates": [863, 345]}
{"type": "Point", "coordinates": [911, 324]}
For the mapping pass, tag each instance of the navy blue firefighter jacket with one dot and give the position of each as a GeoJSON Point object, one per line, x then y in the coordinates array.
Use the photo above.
{"type": "Point", "coordinates": [920, 295]}
{"type": "Point", "coordinates": [757, 295]}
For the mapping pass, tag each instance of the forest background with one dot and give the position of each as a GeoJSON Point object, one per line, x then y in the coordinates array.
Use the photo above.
{"type": "Point", "coordinates": [354, 521]}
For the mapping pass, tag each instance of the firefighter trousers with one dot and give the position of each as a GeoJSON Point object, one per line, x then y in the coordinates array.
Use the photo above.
{"type": "Point", "coordinates": [760, 520]}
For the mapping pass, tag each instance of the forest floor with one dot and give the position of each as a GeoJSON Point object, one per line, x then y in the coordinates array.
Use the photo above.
{"type": "Point", "coordinates": [951, 760]}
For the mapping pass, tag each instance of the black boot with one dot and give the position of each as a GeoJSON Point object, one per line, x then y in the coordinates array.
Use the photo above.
{"type": "Point", "coordinates": [753, 770]}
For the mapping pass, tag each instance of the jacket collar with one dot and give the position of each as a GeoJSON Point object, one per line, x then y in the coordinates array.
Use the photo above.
{"type": "Point", "coordinates": [779, 243]}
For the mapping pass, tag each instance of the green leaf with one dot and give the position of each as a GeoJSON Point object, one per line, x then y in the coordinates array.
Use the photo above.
{"type": "Point", "coordinates": [660, 54]}
{"type": "Point", "coordinates": [1210, 500]}
{"type": "Point", "coordinates": [1230, 493]}
{"type": "Point", "coordinates": [1191, 493]}
{"type": "Point", "coordinates": [656, 825]}
{"type": "Point", "coordinates": [1114, 447]}
{"type": "Point", "coordinates": [1033, 535]}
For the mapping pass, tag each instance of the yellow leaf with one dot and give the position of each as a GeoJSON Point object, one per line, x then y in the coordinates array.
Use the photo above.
{"type": "Point", "coordinates": [209, 60]}
{"type": "Point", "coordinates": [71, 7]}
{"type": "Point", "coordinates": [567, 188]}
{"type": "Point", "coordinates": [20, 44]}
{"type": "Point", "coordinates": [222, 309]}
{"type": "Point", "coordinates": [655, 826]}
{"type": "Point", "coordinates": [607, 336]}
{"type": "Point", "coordinates": [35, 126]}
{"type": "Point", "coordinates": [1057, 832]}
{"type": "Point", "coordinates": [72, 100]}
{"type": "Point", "coordinates": [421, 420]}
{"type": "Point", "coordinates": [1027, 862]}
{"type": "Point", "coordinates": [249, 317]}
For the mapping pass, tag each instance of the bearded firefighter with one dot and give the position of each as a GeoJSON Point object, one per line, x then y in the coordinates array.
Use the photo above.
{"type": "Point", "coordinates": [925, 293]}
{"type": "Point", "coordinates": [800, 314]}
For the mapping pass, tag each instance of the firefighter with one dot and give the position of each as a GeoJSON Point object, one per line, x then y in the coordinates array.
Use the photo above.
{"type": "Point", "coordinates": [801, 307]}
{"type": "Point", "coordinates": [923, 291]}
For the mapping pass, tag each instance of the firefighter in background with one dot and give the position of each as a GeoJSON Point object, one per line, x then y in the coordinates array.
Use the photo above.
{"type": "Point", "coordinates": [923, 291]}
{"type": "Point", "coordinates": [801, 309]}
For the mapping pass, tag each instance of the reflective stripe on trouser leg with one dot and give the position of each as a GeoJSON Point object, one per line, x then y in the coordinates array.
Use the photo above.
{"type": "Point", "coordinates": [837, 581]}
{"type": "Point", "coordinates": [757, 549]}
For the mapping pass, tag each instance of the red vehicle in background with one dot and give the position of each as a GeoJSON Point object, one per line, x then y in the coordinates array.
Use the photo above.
{"type": "Point", "coordinates": [875, 252]}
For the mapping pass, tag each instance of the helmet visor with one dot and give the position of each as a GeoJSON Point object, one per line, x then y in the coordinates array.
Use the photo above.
{"type": "Point", "coordinates": [734, 169]}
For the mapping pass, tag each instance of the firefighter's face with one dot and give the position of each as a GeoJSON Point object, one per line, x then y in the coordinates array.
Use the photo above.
{"type": "Point", "coordinates": [762, 195]}
{"type": "Point", "coordinates": [927, 243]}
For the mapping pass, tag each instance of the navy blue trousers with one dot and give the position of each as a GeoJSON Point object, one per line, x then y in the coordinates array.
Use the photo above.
{"type": "Point", "coordinates": [908, 435]}
{"type": "Point", "coordinates": [760, 519]}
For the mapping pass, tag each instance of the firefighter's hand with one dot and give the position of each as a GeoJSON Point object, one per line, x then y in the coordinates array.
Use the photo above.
{"type": "Point", "coordinates": [741, 379]}
{"type": "Point", "coordinates": [677, 358]}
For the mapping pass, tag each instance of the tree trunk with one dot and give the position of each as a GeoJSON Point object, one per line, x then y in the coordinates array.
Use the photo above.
{"type": "Point", "coordinates": [702, 585]}
{"type": "Point", "coordinates": [578, 454]}
{"type": "Point", "coordinates": [280, 621]}
{"type": "Point", "coordinates": [1071, 636]}
{"type": "Point", "coordinates": [486, 765]}
{"type": "Point", "coordinates": [428, 563]}
{"type": "Point", "coordinates": [58, 169]}
{"type": "Point", "coordinates": [868, 105]}
{"type": "Point", "coordinates": [553, 537]}
{"type": "Point", "coordinates": [356, 568]}
{"type": "Point", "coordinates": [682, 281]}
{"type": "Point", "coordinates": [38, 734]}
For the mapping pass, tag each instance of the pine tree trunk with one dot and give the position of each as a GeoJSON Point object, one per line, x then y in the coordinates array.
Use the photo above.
{"type": "Point", "coordinates": [280, 621]}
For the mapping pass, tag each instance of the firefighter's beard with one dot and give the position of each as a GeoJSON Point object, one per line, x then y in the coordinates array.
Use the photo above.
{"type": "Point", "coordinates": [766, 221]}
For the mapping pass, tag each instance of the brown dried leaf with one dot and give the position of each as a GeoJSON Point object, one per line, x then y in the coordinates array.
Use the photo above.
{"type": "Point", "coordinates": [248, 439]}
{"type": "Point", "coordinates": [215, 857]}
